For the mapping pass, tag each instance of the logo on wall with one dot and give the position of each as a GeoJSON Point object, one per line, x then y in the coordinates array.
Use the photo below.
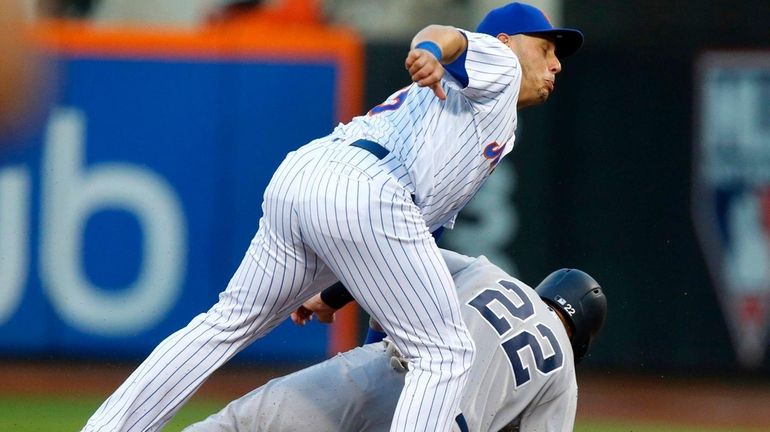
{"type": "Point", "coordinates": [73, 192]}
{"type": "Point", "coordinates": [731, 194]}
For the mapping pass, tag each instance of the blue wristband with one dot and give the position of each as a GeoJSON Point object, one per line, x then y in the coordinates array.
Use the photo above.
{"type": "Point", "coordinates": [431, 47]}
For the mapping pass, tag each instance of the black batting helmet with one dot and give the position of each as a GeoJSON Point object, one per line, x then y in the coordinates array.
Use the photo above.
{"type": "Point", "coordinates": [581, 300]}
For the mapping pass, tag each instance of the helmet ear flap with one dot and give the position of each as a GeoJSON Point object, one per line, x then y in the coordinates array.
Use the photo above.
{"type": "Point", "coordinates": [581, 300]}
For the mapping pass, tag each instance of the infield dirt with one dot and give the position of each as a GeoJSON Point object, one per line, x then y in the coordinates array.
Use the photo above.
{"type": "Point", "coordinates": [602, 396]}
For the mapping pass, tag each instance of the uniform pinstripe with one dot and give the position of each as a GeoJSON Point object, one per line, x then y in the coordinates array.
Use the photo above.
{"type": "Point", "coordinates": [332, 211]}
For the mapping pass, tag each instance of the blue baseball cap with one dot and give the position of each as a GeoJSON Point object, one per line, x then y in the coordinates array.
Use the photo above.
{"type": "Point", "coordinates": [518, 18]}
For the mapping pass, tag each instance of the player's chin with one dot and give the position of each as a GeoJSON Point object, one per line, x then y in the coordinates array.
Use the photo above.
{"type": "Point", "coordinates": [542, 94]}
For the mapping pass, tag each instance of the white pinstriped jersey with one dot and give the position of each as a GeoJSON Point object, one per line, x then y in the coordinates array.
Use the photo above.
{"type": "Point", "coordinates": [524, 373]}
{"type": "Point", "coordinates": [449, 147]}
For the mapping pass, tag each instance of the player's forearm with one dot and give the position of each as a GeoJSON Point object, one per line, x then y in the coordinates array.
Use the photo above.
{"type": "Point", "coordinates": [451, 42]}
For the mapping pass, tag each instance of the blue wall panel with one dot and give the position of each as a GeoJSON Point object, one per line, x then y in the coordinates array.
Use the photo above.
{"type": "Point", "coordinates": [192, 144]}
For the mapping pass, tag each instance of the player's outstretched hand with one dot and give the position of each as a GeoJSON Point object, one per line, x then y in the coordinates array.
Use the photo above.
{"type": "Point", "coordinates": [426, 70]}
{"type": "Point", "coordinates": [314, 306]}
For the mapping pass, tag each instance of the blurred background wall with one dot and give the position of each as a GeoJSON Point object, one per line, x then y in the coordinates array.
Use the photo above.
{"type": "Point", "coordinates": [621, 173]}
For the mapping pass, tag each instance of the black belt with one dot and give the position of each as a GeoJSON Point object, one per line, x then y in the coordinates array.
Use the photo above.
{"type": "Point", "coordinates": [372, 147]}
{"type": "Point", "coordinates": [375, 149]}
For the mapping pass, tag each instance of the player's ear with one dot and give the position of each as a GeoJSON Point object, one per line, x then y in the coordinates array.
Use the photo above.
{"type": "Point", "coordinates": [504, 38]}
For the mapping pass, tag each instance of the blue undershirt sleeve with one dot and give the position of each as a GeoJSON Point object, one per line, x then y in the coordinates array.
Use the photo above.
{"type": "Point", "coordinates": [457, 67]}
{"type": "Point", "coordinates": [373, 336]}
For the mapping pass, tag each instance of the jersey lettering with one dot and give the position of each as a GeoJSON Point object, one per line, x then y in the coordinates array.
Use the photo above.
{"type": "Point", "coordinates": [515, 345]}
{"type": "Point", "coordinates": [513, 349]}
{"type": "Point", "coordinates": [481, 303]}
{"type": "Point", "coordinates": [494, 152]}
{"type": "Point", "coordinates": [390, 105]}
{"type": "Point", "coordinates": [461, 423]}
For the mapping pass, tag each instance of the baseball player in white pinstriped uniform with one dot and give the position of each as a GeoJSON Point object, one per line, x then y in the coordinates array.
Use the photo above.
{"type": "Point", "coordinates": [359, 206]}
{"type": "Point", "coordinates": [523, 378]}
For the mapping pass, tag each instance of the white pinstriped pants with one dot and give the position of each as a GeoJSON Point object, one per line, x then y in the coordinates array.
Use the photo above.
{"type": "Point", "coordinates": [330, 209]}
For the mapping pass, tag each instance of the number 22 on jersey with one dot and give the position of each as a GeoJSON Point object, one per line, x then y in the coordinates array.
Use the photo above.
{"type": "Point", "coordinates": [514, 345]}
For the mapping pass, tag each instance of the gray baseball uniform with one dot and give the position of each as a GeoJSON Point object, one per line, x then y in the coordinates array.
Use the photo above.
{"type": "Point", "coordinates": [524, 372]}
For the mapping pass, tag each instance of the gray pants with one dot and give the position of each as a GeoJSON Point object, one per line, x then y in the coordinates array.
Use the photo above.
{"type": "Point", "coordinates": [354, 391]}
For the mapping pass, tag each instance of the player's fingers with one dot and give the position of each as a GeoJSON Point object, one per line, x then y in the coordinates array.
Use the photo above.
{"type": "Point", "coordinates": [417, 57]}
{"type": "Point", "coordinates": [418, 68]}
{"type": "Point", "coordinates": [430, 76]}
{"type": "Point", "coordinates": [296, 319]}
{"type": "Point", "coordinates": [422, 63]}
{"type": "Point", "coordinates": [434, 82]}
{"type": "Point", "coordinates": [429, 79]}
{"type": "Point", "coordinates": [410, 59]}
{"type": "Point", "coordinates": [438, 91]}
{"type": "Point", "coordinates": [423, 73]}
{"type": "Point", "coordinates": [325, 317]}
{"type": "Point", "coordinates": [301, 315]}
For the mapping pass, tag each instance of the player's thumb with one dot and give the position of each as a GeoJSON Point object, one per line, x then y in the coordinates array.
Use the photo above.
{"type": "Point", "coordinates": [438, 90]}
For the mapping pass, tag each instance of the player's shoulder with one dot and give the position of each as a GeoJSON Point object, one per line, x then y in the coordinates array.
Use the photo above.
{"type": "Point", "coordinates": [488, 68]}
{"type": "Point", "coordinates": [484, 44]}
{"type": "Point", "coordinates": [480, 37]}
{"type": "Point", "coordinates": [472, 269]}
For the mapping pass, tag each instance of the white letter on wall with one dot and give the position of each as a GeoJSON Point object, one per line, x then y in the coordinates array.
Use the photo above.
{"type": "Point", "coordinates": [14, 238]}
{"type": "Point", "coordinates": [72, 194]}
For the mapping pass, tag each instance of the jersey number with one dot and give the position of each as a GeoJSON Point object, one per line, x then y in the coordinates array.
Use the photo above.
{"type": "Point", "coordinates": [391, 104]}
{"type": "Point", "coordinates": [514, 345]}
